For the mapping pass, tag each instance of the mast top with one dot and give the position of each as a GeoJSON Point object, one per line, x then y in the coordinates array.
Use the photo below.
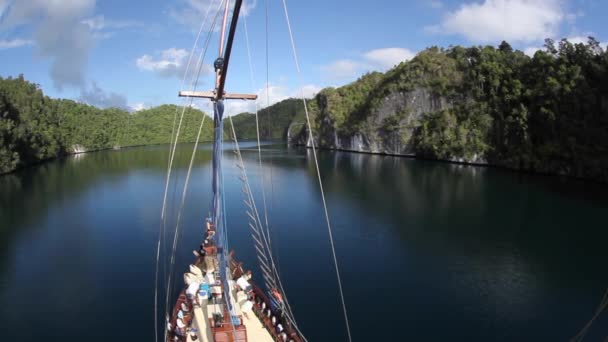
{"type": "Point", "coordinates": [221, 63]}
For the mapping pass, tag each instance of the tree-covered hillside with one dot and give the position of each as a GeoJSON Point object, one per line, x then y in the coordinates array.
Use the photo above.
{"type": "Point", "coordinates": [546, 113]}
{"type": "Point", "coordinates": [274, 121]}
{"type": "Point", "coordinates": [485, 104]}
{"type": "Point", "coordinates": [34, 127]}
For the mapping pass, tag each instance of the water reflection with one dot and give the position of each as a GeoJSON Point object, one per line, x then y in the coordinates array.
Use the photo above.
{"type": "Point", "coordinates": [441, 251]}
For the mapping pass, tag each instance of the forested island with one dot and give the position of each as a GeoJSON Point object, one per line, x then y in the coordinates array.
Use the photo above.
{"type": "Point", "coordinates": [497, 106]}
{"type": "Point", "coordinates": [34, 127]}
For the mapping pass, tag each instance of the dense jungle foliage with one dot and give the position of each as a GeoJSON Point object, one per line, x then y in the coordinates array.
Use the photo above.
{"type": "Point", "coordinates": [273, 121]}
{"type": "Point", "coordinates": [34, 127]}
{"type": "Point", "coordinates": [544, 113]}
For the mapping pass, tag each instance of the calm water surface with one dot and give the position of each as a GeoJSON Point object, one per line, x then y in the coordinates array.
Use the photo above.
{"type": "Point", "coordinates": [428, 251]}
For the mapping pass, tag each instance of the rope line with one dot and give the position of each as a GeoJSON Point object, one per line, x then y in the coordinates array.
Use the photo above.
{"type": "Point", "coordinates": [171, 158]}
{"type": "Point", "coordinates": [257, 125]}
{"type": "Point", "coordinates": [195, 85]}
{"type": "Point", "coordinates": [169, 167]}
{"type": "Point", "coordinates": [314, 153]}
{"type": "Point", "coordinates": [257, 129]}
{"type": "Point", "coordinates": [275, 277]}
{"type": "Point", "coordinates": [603, 306]}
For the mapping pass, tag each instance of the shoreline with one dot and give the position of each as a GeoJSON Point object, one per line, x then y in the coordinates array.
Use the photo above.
{"type": "Point", "coordinates": [408, 156]}
{"type": "Point", "coordinates": [462, 163]}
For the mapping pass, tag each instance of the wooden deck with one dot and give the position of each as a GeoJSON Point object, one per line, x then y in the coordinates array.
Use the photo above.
{"type": "Point", "coordinates": [255, 329]}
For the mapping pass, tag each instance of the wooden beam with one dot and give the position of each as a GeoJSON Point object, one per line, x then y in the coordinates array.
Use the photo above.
{"type": "Point", "coordinates": [212, 95]}
{"type": "Point", "coordinates": [201, 94]}
{"type": "Point", "coordinates": [230, 96]}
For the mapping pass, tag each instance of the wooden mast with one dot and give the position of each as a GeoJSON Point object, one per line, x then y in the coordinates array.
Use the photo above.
{"type": "Point", "coordinates": [224, 58]}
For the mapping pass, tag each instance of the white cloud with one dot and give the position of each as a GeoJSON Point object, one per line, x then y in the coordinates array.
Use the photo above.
{"type": "Point", "coordinates": [531, 50]}
{"type": "Point", "coordinates": [578, 40]}
{"type": "Point", "coordinates": [192, 12]}
{"type": "Point", "coordinates": [584, 39]}
{"type": "Point", "coordinates": [342, 69]}
{"type": "Point", "coordinates": [102, 28]}
{"type": "Point", "coordinates": [14, 43]}
{"type": "Point", "coordinates": [309, 91]}
{"type": "Point", "coordinates": [59, 34]}
{"type": "Point", "coordinates": [511, 20]}
{"type": "Point", "coordinates": [267, 96]}
{"type": "Point", "coordinates": [276, 93]}
{"type": "Point", "coordinates": [137, 107]}
{"type": "Point", "coordinates": [373, 60]}
{"type": "Point", "coordinates": [95, 23]}
{"type": "Point", "coordinates": [171, 62]}
{"type": "Point", "coordinates": [387, 58]}
{"type": "Point", "coordinates": [99, 22]}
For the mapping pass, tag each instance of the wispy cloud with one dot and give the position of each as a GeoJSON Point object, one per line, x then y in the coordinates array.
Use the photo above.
{"type": "Point", "coordinates": [191, 12]}
{"type": "Point", "coordinates": [511, 20]}
{"type": "Point", "coordinates": [383, 59]}
{"type": "Point", "coordinates": [171, 62]}
{"type": "Point", "coordinates": [136, 107]}
{"type": "Point", "coordinates": [14, 43]}
{"type": "Point", "coordinates": [99, 23]}
{"type": "Point", "coordinates": [343, 68]}
{"type": "Point", "coordinates": [59, 34]}
{"type": "Point", "coordinates": [267, 96]}
{"type": "Point", "coordinates": [102, 28]}
{"type": "Point", "coordinates": [373, 60]}
{"type": "Point", "coordinates": [531, 50]}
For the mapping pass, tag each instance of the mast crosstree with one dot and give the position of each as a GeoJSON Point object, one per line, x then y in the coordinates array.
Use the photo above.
{"type": "Point", "coordinates": [217, 310]}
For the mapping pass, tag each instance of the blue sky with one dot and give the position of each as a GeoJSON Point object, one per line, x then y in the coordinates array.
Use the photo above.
{"type": "Point", "coordinates": [133, 54]}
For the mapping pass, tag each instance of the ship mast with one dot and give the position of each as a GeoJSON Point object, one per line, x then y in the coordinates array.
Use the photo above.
{"type": "Point", "coordinates": [217, 96]}
{"type": "Point", "coordinates": [221, 63]}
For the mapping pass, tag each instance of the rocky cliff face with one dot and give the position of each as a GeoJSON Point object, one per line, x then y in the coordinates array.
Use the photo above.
{"type": "Point", "coordinates": [478, 105]}
{"type": "Point", "coordinates": [384, 113]}
{"type": "Point", "coordinates": [388, 129]}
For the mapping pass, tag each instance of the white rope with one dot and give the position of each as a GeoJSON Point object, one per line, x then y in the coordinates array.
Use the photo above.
{"type": "Point", "coordinates": [195, 85]}
{"type": "Point", "coordinates": [603, 306]}
{"type": "Point", "coordinates": [169, 167]}
{"type": "Point", "coordinates": [199, 66]}
{"type": "Point", "coordinates": [314, 153]}
{"type": "Point", "coordinates": [275, 276]}
{"type": "Point", "coordinates": [257, 130]}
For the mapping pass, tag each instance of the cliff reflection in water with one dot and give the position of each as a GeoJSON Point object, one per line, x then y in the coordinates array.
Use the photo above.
{"type": "Point", "coordinates": [510, 239]}
{"type": "Point", "coordinates": [441, 251]}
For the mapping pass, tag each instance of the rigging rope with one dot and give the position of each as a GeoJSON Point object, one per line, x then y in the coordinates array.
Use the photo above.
{"type": "Point", "coordinates": [603, 306]}
{"type": "Point", "coordinates": [314, 153]}
{"type": "Point", "coordinates": [195, 85]}
{"type": "Point", "coordinates": [257, 128]}
{"type": "Point", "coordinates": [257, 125]}
{"type": "Point", "coordinates": [169, 167]}
{"type": "Point", "coordinates": [172, 155]}
{"type": "Point", "coordinates": [275, 275]}
{"type": "Point", "coordinates": [267, 30]}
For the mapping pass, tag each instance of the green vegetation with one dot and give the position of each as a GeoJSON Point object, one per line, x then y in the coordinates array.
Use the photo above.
{"type": "Point", "coordinates": [34, 127]}
{"type": "Point", "coordinates": [545, 113]}
{"type": "Point", "coordinates": [274, 121]}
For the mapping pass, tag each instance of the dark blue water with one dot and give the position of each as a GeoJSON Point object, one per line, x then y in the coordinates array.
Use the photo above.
{"type": "Point", "coordinates": [428, 251]}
